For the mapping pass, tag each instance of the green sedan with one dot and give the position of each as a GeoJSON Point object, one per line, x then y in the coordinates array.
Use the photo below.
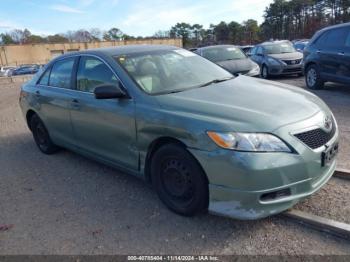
{"type": "Point", "coordinates": [239, 146]}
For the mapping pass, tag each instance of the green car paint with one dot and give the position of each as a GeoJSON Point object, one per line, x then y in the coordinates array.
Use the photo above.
{"type": "Point", "coordinates": [121, 132]}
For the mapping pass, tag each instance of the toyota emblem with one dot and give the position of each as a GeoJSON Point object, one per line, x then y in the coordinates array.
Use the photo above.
{"type": "Point", "coordinates": [327, 122]}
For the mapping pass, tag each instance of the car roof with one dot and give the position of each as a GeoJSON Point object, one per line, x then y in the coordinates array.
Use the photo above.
{"type": "Point", "coordinates": [274, 42]}
{"type": "Point", "coordinates": [122, 50]}
{"type": "Point", "coordinates": [335, 26]}
{"type": "Point", "coordinates": [216, 46]}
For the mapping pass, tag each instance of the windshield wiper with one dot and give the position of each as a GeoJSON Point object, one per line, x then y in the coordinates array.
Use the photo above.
{"type": "Point", "coordinates": [216, 81]}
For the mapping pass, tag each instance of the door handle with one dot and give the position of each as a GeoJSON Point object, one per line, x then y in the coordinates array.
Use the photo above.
{"type": "Point", "coordinates": [75, 104]}
{"type": "Point", "coordinates": [318, 51]}
{"type": "Point", "coordinates": [341, 53]}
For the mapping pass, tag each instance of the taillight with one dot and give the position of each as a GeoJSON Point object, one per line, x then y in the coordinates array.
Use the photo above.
{"type": "Point", "coordinates": [22, 94]}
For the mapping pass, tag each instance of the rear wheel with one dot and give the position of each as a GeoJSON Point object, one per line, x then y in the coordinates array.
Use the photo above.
{"type": "Point", "coordinates": [179, 180]}
{"type": "Point", "coordinates": [312, 77]}
{"type": "Point", "coordinates": [41, 136]}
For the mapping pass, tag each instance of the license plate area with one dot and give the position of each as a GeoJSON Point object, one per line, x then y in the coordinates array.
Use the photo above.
{"type": "Point", "coordinates": [329, 154]}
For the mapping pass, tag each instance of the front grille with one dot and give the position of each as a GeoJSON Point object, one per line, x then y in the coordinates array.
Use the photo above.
{"type": "Point", "coordinates": [317, 137]}
{"type": "Point", "coordinates": [292, 62]}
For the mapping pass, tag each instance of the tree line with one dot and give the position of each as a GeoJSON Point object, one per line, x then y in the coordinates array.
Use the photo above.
{"type": "Point", "coordinates": [18, 36]}
{"type": "Point", "coordinates": [294, 19]}
{"type": "Point", "coordinates": [302, 18]}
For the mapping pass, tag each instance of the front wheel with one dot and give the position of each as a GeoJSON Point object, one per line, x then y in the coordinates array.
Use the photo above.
{"type": "Point", "coordinates": [312, 78]}
{"type": "Point", "coordinates": [264, 72]}
{"type": "Point", "coordinates": [179, 180]}
{"type": "Point", "coordinates": [41, 136]}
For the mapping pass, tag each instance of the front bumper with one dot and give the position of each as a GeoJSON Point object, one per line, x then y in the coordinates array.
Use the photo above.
{"type": "Point", "coordinates": [248, 185]}
{"type": "Point", "coordinates": [285, 69]}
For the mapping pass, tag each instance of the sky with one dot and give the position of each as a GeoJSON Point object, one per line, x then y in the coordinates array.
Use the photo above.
{"type": "Point", "coordinates": [133, 17]}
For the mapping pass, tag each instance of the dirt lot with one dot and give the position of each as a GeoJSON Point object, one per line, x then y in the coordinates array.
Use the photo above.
{"type": "Point", "coordinates": [66, 204]}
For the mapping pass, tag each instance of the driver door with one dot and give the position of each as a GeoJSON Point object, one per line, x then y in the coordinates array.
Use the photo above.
{"type": "Point", "coordinates": [104, 128]}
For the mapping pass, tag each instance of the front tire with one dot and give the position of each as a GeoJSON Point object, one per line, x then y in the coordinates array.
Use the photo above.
{"type": "Point", "coordinates": [41, 136]}
{"type": "Point", "coordinates": [179, 180]}
{"type": "Point", "coordinates": [312, 78]}
{"type": "Point", "coordinates": [264, 72]}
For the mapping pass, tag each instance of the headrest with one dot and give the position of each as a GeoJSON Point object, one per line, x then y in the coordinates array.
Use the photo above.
{"type": "Point", "coordinates": [147, 67]}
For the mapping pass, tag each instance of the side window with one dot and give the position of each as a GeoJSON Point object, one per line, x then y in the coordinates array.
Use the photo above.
{"type": "Point", "coordinates": [61, 73]}
{"type": "Point", "coordinates": [253, 51]}
{"type": "Point", "coordinates": [321, 39]}
{"type": "Point", "coordinates": [347, 40]}
{"type": "Point", "coordinates": [92, 72]}
{"type": "Point", "coordinates": [259, 51]}
{"type": "Point", "coordinates": [333, 38]}
{"type": "Point", "coordinates": [44, 80]}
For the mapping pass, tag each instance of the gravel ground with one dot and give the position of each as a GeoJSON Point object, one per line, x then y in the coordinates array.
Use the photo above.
{"type": "Point", "coordinates": [331, 201]}
{"type": "Point", "coordinates": [66, 204]}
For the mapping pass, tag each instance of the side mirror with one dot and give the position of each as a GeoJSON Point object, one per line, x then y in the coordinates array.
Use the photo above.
{"type": "Point", "coordinates": [108, 91]}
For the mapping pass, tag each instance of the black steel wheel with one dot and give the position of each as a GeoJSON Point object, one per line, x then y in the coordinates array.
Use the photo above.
{"type": "Point", "coordinates": [41, 136]}
{"type": "Point", "coordinates": [179, 180]}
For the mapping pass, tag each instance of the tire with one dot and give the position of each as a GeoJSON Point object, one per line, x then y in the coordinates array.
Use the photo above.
{"type": "Point", "coordinates": [264, 72]}
{"type": "Point", "coordinates": [179, 180]}
{"type": "Point", "coordinates": [312, 78]}
{"type": "Point", "coordinates": [41, 136]}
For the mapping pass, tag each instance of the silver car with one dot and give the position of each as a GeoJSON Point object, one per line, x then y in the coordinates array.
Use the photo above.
{"type": "Point", "coordinates": [277, 58]}
{"type": "Point", "coordinates": [6, 70]}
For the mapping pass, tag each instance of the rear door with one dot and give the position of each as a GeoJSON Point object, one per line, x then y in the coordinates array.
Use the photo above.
{"type": "Point", "coordinates": [103, 127]}
{"type": "Point", "coordinates": [54, 94]}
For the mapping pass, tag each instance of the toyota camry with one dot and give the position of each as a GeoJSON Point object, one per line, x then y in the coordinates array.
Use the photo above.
{"type": "Point", "coordinates": [237, 146]}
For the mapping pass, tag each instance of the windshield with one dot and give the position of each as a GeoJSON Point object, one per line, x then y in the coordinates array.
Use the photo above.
{"type": "Point", "coordinates": [279, 48]}
{"type": "Point", "coordinates": [216, 54]}
{"type": "Point", "coordinates": [168, 71]}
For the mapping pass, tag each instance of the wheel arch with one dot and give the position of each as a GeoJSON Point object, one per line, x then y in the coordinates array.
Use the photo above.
{"type": "Point", "coordinates": [158, 143]}
{"type": "Point", "coordinates": [30, 113]}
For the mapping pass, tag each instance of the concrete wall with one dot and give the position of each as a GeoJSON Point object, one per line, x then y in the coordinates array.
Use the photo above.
{"type": "Point", "coordinates": [5, 81]}
{"type": "Point", "coordinates": [42, 53]}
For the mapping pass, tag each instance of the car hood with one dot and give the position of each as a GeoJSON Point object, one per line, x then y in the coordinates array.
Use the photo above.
{"type": "Point", "coordinates": [245, 104]}
{"type": "Point", "coordinates": [287, 56]}
{"type": "Point", "coordinates": [237, 66]}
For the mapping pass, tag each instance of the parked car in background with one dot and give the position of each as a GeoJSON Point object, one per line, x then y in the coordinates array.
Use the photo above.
{"type": "Point", "coordinates": [300, 45]}
{"type": "Point", "coordinates": [202, 137]}
{"type": "Point", "coordinates": [26, 69]}
{"type": "Point", "coordinates": [231, 58]}
{"type": "Point", "coordinates": [299, 40]}
{"type": "Point", "coordinates": [327, 57]}
{"type": "Point", "coordinates": [277, 58]}
{"type": "Point", "coordinates": [246, 49]}
{"type": "Point", "coordinates": [6, 70]}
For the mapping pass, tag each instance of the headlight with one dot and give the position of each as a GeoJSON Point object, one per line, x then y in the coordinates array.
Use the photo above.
{"type": "Point", "coordinates": [273, 61]}
{"type": "Point", "coordinates": [255, 142]}
{"type": "Point", "coordinates": [254, 71]}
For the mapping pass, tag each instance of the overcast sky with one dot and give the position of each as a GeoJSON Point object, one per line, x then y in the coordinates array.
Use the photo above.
{"type": "Point", "coordinates": [138, 18]}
